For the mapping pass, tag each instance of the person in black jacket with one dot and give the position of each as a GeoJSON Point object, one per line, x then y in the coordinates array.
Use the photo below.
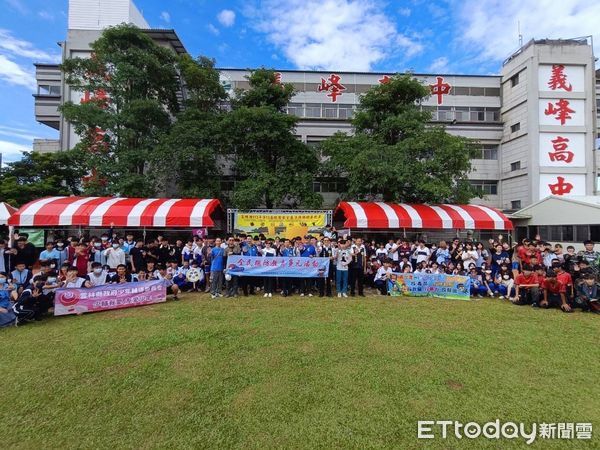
{"type": "Point", "coordinates": [324, 284]}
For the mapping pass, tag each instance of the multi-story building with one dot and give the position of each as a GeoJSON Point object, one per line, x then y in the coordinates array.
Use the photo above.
{"type": "Point", "coordinates": [536, 122]}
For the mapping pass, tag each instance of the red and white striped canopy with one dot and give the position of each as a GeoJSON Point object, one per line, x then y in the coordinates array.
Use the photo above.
{"type": "Point", "coordinates": [5, 212]}
{"type": "Point", "coordinates": [378, 215]}
{"type": "Point", "coordinates": [122, 212]}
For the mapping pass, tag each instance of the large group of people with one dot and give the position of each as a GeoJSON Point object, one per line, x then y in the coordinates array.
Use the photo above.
{"type": "Point", "coordinates": [531, 272]}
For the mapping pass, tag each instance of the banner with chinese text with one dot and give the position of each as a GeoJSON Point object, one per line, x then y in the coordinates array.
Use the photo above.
{"type": "Point", "coordinates": [277, 266]}
{"type": "Point", "coordinates": [280, 224]}
{"type": "Point", "coordinates": [109, 296]}
{"type": "Point", "coordinates": [455, 287]}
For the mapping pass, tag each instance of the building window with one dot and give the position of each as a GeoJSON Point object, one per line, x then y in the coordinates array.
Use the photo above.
{"type": "Point", "coordinates": [296, 109]}
{"type": "Point", "coordinates": [488, 152]}
{"type": "Point", "coordinates": [515, 166]}
{"type": "Point", "coordinates": [485, 187]}
{"type": "Point", "coordinates": [514, 80]}
{"type": "Point", "coordinates": [582, 232]}
{"type": "Point", "coordinates": [516, 127]}
{"type": "Point", "coordinates": [515, 204]}
{"type": "Point", "coordinates": [567, 233]}
{"type": "Point", "coordinates": [330, 185]}
{"type": "Point", "coordinates": [313, 110]}
{"type": "Point", "coordinates": [48, 89]}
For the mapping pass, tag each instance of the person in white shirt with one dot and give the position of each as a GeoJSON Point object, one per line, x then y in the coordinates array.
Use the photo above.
{"type": "Point", "coordinates": [114, 256]}
{"type": "Point", "coordinates": [74, 281]}
{"type": "Point", "coordinates": [469, 255]}
{"type": "Point", "coordinates": [421, 253]}
{"type": "Point", "coordinates": [382, 276]}
{"type": "Point", "coordinates": [162, 275]}
{"type": "Point", "coordinates": [98, 276]}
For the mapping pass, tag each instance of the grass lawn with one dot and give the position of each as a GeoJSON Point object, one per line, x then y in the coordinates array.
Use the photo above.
{"type": "Point", "coordinates": [295, 372]}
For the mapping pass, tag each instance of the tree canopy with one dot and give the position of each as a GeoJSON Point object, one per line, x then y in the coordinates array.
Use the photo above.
{"type": "Point", "coordinates": [274, 168]}
{"type": "Point", "coordinates": [39, 175]}
{"type": "Point", "coordinates": [395, 155]}
{"type": "Point", "coordinates": [129, 87]}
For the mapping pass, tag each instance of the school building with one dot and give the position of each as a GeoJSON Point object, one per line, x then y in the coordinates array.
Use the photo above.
{"type": "Point", "coordinates": [536, 121]}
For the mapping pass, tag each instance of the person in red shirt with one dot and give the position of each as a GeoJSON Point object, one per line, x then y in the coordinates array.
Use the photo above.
{"type": "Point", "coordinates": [527, 287]}
{"type": "Point", "coordinates": [81, 260]}
{"type": "Point", "coordinates": [565, 278]}
{"type": "Point", "coordinates": [554, 293]}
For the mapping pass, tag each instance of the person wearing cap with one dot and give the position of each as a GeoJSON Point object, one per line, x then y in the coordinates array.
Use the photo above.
{"type": "Point", "coordinates": [554, 293]}
{"type": "Point", "coordinates": [527, 287]}
{"type": "Point", "coordinates": [588, 294]}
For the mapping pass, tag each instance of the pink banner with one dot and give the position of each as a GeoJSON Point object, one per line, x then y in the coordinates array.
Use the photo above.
{"type": "Point", "coordinates": [109, 296]}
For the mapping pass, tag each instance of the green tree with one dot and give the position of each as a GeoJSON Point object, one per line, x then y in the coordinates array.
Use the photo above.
{"type": "Point", "coordinates": [132, 84]}
{"type": "Point", "coordinates": [395, 155]}
{"type": "Point", "coordinates": [192, 146]}
{"type": "Point", "coordinates": [275, 168]}
{"type": "Point", "coordinates": [39, 175]}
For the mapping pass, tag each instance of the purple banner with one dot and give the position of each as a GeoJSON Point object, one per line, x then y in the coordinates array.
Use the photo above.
{"type": "Point", "coordinates": [109, 296]}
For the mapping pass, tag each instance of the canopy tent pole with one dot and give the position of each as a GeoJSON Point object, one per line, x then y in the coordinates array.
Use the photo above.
{"type": "Point", "coordinates": [144, 235]}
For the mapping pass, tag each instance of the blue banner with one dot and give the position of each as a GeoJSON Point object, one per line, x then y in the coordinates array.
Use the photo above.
{"type": "Point", "coordinates": [277, 266]}
{"type": "Point", "coordinates": [430, 285]}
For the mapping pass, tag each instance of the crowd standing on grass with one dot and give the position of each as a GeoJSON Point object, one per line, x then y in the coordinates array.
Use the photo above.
{"type": "Point", "coordinates": [531, 272]}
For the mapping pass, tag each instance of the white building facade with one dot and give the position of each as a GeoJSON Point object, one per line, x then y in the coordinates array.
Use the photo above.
{"type": "Point", "coordinates": [535, 122]}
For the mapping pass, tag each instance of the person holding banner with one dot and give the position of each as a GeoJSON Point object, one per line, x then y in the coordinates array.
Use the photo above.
{"type": "Point", "coordinates": [268, 252]}
{"type": "Point", "coordinates": [287, 252]}
{"type": "Point", "coordinates": [324, 284]}
{"type": "Point", "coordinates": [121, 275]}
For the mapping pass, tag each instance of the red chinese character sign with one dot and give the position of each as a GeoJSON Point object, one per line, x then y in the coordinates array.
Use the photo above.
{"type": "Point", "coordinates": [562, 185]}
{"type": "Point", "coordinates": [562, 112]}
{"type": "Point", "coordinates": [562, 150]}
{"type": "Point", "coordinates": [333, 86]}
{"type": "Point", "coordinates": [439, 89]}
{"type": "Point", "coordinates": [561, 78]}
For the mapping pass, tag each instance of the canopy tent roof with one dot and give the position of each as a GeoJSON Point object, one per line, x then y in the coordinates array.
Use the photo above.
{"type": "Point", "coordinates": [116, 211]}
{"type": "Point", "coordinates": [5, 212]}
{"type": "Point", "coordinates": [379, 215]}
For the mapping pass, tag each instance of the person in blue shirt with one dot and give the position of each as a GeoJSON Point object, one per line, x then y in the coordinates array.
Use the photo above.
{"type": "Point", "coordinates": [287, 251]}
{"type": "Point", "coordinates": [307, 250]}
{"type": "Point", "coordinates": [50, 254]}
{"type": "Point", "coordinates": [7, 315]}
{"type": "Point", "coordinates": [249, 248]}
{"type": "Point", "coordinates": [217, 265]}
{"type": "Point", "coordinates": [20, 277]}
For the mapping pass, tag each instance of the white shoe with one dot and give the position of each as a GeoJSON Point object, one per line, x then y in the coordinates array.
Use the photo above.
{"type": "Point", "coordinates": [220, 295]}
{"type": "Point", "coordinates": [345, 295]}
{"type": "Point", "coordinates": [266, 295]}
{"type": "Point", "coordinates": [501, 297]}
{"type": "Point", "coordinates": [339, 295]}
{"type": "Point", "coordinates": [270, 295]}
{"type": "Point", "coordinates": [310, 295]}
{"type": "Point", "coordinates": [301, 295]}
{"type": "Point", "coordinates": [212, 295]}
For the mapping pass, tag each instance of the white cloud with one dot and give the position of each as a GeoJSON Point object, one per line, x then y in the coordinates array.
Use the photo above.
{"type": "Point", "coordinates": [439, 65]}
{"type": "Point", "coordinates": [404, 12]}
{"type": "Point", "coordinates": [16, 60]}
{"type": "Point", "coordinates": [12, 151]}
{"type": "Point", "coordinates": [491, 25]}
{"type": "Point", "coordinates": [332, 34]}
{"type": "Point", "coordinates": [18, 6]}
{"type": "Point", "coordinates": [214, 30]}
{"type": "Point", "coordinates": [226, 17]}
{"type": "Point", "coordinates": [23, 49]}
{"type": "Point", "coordinates": [14, 74]}
{"type": "Point", "coordinates": [165, 16]}
{"type": "Point", "coordinates": [46, 15]}
{"type": "Point", "coordinates": [18, 133]}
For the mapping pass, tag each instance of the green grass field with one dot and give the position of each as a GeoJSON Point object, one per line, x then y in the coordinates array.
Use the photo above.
{"type": "Point", "coordinates": [295, 372]}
